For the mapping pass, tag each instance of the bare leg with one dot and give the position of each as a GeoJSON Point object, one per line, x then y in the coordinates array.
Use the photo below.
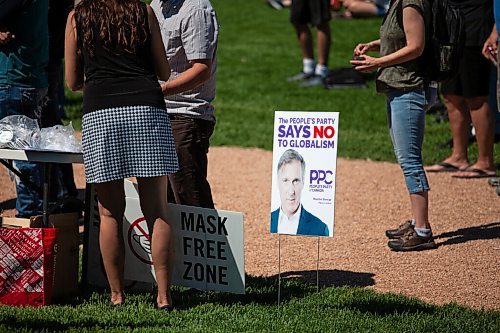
{"type": "Point", "coordinates": [361, 8]}
{"type": "Point", "coordinates": [483, 121]}
{"type": "Point", "coordinates": [420, 209]}
{"type": "Point", "coordinates": [324, 42]}
{"type": "Point", "coordinates": [153, 198]}
{"type": "Point", "coordinates": [111, 209]}
{"type": "Point", "coordinates": [459, 116]}
{"type": "Point", "coordinates": [305, 41]}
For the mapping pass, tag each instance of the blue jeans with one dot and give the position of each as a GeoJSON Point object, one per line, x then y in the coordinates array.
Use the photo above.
{"type": "Point", "coordinates": [406, 119]}
{"type": "Point", "coordinates": [27, 102]}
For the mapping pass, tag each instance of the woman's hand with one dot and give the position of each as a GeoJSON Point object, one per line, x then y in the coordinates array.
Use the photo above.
{"type": "Point", "coordinates": [5, 36]}
{"type": "Point", "coordinates": [364, 63]}
{"type": "Point", "coordinates": [490, 47]}
{"type": "Point", "coordinates": [362, 48]}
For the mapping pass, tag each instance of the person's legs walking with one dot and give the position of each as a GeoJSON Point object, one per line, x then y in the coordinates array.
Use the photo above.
{"type": "Point", "coordinates": [111, 197]}
{"type": "Point", "coordinates": [153, 199]}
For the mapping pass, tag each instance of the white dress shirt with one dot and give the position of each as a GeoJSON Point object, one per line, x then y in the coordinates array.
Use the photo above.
{"type": "Point", "coordinates": [290, 225]}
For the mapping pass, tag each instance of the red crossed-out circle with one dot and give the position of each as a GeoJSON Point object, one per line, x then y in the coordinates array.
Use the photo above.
{"type": "Point", "coordinates": [135, 224]}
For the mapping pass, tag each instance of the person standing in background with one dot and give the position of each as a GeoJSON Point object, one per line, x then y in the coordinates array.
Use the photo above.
{"type": "Point", "coordinates": [190, 33]}
{"type": "Point", "coordinates": [401, 44]}
{"type": "Point", "coordinates": [466, 97]}
{"type": "Point", "coordinates": [316, 13]}
{"type": "Point", "coordinates": [114, 52]}
{"type": "Point", "coordinates": [24, 54]}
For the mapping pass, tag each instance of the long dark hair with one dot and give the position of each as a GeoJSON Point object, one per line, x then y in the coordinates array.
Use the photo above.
{"type": "Point", "coordinates": [120, 23]}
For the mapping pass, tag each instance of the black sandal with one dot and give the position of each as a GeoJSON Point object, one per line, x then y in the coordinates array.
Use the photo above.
{"type": "Point", "coordinates": [166, 308]}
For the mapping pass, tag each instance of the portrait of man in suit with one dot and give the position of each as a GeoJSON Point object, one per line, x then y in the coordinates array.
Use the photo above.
{"type": "Point", "coordinates": [291, 217]}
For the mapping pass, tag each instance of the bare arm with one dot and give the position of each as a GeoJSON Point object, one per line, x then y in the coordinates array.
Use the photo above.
{"type": "Point", "coordinates": [159, 58]}
{"type": "Point", "coordinates": [72, 59]}
{"type": "Point", "coordinates": [414, 28]}
{"type": "Point", "coordinates": [198, 73]}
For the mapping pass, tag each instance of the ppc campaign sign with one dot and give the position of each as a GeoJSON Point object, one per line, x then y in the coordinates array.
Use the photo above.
{"type": "Point", "coordinates": [208, 246]}
{"type": "Point", "coordinates": [304, 171]}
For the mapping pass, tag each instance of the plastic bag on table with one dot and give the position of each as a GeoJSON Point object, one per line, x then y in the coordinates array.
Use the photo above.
{"type": "Point", "coordinates": [19, 132]}
{"type": "Point", "coordinates": [60, 137]}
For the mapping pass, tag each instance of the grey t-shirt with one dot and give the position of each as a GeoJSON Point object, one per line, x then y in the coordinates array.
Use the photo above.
{"type": "Point", "coordinates": [404, 76]}
{"type": "Point", "coordinates": [189, 30]}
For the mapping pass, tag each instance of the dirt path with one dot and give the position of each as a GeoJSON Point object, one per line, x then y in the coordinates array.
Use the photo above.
{"type": "Point", "coordinates": [370, 197]}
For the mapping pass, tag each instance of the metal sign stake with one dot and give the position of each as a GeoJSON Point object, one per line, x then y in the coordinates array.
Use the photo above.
{"type": "Point", "coordinates": [317, 270]}
{"type": "Point", "coordinates": [279, 269]}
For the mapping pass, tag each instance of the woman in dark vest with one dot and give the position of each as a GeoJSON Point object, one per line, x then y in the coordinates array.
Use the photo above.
{"type": "Point", "coordinates": [114, 53]}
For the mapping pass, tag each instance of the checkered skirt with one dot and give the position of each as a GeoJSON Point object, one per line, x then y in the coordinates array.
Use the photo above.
{"type": "Point", "coordinates": [131, 141]}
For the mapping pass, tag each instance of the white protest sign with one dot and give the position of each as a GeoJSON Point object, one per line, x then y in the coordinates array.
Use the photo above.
{"type": "Point", "coordinates": [208, 246]}
{"type": "Point", "coordinates": [304, 173]}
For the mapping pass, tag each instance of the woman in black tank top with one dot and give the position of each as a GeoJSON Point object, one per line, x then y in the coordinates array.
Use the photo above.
{"type": "Point", "coordinates": [114, 53]}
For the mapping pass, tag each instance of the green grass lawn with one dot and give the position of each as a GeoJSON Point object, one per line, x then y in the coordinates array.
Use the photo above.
{"type": "Point", "coordinates": [257, 52]}
{"type": "Point", "coordinates": [332, 309]}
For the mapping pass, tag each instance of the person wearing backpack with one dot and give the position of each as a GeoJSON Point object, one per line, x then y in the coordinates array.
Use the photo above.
{"type": "Point", "coordinates": [466, 96]}
{"type": "Point", "coordinates": [400, 77]}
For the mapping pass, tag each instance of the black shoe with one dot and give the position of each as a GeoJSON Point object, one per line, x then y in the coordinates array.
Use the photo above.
{"type": "Point", "coordinates": [166, 308]}
{"type": "Point", "coordinates": [400, 231]}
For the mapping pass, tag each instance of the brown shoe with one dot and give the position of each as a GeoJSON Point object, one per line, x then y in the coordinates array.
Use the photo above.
{"type": "Point", "coordinates": [399, 231]}
{"type": "Point", "coordinates": [411, 241]}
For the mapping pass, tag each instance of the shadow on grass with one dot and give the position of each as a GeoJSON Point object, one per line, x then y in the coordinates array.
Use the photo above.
{"type": "Point", "coordinates": [259, 290]}
{"type": "Point", "coordinates": [463, 235]}
{"type": "Point", "coordinates": [332, 278]}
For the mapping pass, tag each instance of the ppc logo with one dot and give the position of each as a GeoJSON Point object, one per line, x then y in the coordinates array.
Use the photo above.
{"type": "Point", "coordinates": [321, 176]}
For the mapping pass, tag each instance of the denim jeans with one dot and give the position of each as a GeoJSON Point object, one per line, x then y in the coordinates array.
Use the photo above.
{"type": "Point", "coordinates": [27, 102]}
{"type": "Point", "coordinates": [189, 186]}
{"type": "Point", "coordinates": [406, 120]}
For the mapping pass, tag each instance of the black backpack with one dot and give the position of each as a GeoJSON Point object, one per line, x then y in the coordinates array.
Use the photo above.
{"type": "Point", "coordinates": [445, 40]}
